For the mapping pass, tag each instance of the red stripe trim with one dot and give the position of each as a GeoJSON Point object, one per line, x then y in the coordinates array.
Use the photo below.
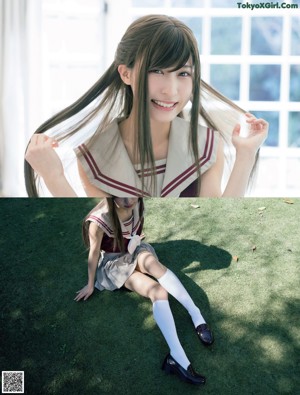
{"type": "Point", "coordinates": [157, 170]}
{"type": "Point", "coordinates": [188, 172]}
{"type": "Point", "coordinates": [137, 225]}
{"type": "Point", "coordinates": [106, 227]}
{"type": "Point", "coordinates": [100, 222]}
{"type": "Point", "coordinates": [107, 180]}
{"type": "Point", "coordinates": [148, 174]}
{"type": "Point", "coordinates": [129, 221]}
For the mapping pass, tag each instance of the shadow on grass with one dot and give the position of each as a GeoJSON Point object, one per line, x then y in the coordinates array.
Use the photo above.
{"type": "Point", "coordinates": [181, 254]}
{"type": "Point", "coordinates": [110, 344]}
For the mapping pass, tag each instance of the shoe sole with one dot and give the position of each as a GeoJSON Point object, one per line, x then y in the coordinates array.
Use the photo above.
{"type": "Point", "coordinates": [169, 370]}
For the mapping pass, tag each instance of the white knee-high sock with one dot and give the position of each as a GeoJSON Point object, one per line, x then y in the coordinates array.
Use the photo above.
{"type": "Point", "coordinates": [165, 321]}
{"type": "Point", "coordinates": [172, 284]}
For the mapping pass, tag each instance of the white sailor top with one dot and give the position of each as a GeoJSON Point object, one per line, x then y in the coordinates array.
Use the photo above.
{"type": "Point", "coordinates": [109, 168]}
{"type": "Point", "coordinates": [133, 226]}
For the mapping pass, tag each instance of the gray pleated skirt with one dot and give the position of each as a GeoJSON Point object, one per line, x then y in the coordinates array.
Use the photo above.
{"type": "Point", "coordinates": [114, 268]}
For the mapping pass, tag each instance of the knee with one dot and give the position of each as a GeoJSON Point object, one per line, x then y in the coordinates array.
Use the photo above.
{"type": "Point", "coordinates": [157, 292]}
{"type": "Point", "coordinates": [154, 268]}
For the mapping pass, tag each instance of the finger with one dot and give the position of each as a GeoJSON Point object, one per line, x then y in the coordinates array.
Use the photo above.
{"type": "Point", "coordinates": [251, 119]}
{"type": "Point", "coordinates": [249, 115]}
{"type": "Point", "coordinates": [78, 297]}
{"type": "Point", "coordinates": [50, 142]}
{"type": "Point", "coordinates": [259, 124]}
{"type": "Point", "coordinates": [237, 129]}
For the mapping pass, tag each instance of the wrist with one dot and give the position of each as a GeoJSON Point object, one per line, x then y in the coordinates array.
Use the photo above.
{"type": "Point", "coordinates": [58, 185]}
{"type": "Point", "coordinates": [91, 285]}
{"type": "Point", "coordinates": [245, 156]}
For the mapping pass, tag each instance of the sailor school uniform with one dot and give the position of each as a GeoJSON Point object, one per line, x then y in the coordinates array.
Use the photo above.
{"type": "Point", "coordinates": [115, 267]}
{"type": "Point", "coordinates": [108, 166]}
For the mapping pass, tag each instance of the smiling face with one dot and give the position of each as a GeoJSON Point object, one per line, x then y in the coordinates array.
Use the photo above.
{"type": "Point", "coordinates": [158, 60]}
{"type": "Point", "coordinates": [169, 90]}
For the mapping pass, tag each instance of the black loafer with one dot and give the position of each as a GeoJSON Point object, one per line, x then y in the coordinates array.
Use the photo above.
{"type": "Point", "coordinates": [189, 375]}
{"type": "Point", "coordinates": [205, 334]}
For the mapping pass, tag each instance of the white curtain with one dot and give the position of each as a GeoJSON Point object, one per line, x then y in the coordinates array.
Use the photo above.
{"type": "Point", "coordinates": [20, 87]}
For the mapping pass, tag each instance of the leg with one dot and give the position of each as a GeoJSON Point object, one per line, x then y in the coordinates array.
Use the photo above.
{"type": "Point", "coordinates": [147, 287]}
{"type": "Point", "coordinates": [148, 264]}
{"type": "Point", "coordinates": [172, 284]}
{"type": "Point", "coordinates": [175, 288]}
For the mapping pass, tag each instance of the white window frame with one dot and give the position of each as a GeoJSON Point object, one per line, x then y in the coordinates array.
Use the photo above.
{"type": "Point", "coordinates": [282, 152]}
{"type": "Point", "coordinates": [116, 17]}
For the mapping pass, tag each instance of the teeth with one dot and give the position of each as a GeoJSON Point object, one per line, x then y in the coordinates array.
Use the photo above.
{"type": "Point", "coordinates": [163, 104]}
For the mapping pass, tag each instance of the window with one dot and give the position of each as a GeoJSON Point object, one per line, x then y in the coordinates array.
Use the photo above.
{"type": "Point", "coordinates": [73, 36]}
{"type": "Point", "coordinates": [253, 57]}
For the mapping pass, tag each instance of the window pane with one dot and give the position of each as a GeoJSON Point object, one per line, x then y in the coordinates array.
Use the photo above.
{"type": "Point", "coordinates": [265, 82]}
{"type": "Point", "coordinates": [54, 40]}
{"type": "Point", "coordinates": [223, 3]}
{"type": "Point", "coordinates": [187, 3]}
{"type": "Point", "coordinates": [226, 79]}
{"type": "Point", "coordinates": [273, 118]}
{"type": "Point", "coordinates": [295, 83]}
{"type": "Point", "coordinates": [85, 77]}
{"type": "Point", "coordinates": [146, 3]}
{"type": "Point", "coordinates": [294, 129]}
{"type": "Point", "coordinates": [266, 36]}
{"type": "Point", "coordinates": [83, 3]}
{"type": "Point", "coordinates": [226, 36]}
{"type": "Point", "coordinates": [81, 35]}
{"type": "Point", "coordinates": [295, 42]}
{"type": "Point", "coordinates": [266, 178]}
{"type": "Point", "coordinates": [196, 25]}
{"type": "Point", "coordinates": [292, 173]}
{"type": "Point", "coordinates": [56, 85]}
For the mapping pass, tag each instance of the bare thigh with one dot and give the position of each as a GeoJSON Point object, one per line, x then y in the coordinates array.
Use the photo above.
{"type": "Point", "coordinates": [147, 263]}
{"type": "Point", "coordinates": [146, 286]}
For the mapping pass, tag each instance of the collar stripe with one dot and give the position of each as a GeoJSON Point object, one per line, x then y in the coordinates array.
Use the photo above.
{"type": "Point", "coordinates": [107, 180]}
{"type": "Point", "coordinates": [188, 172]}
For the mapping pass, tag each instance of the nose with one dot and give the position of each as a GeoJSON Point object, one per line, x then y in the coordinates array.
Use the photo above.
{"type": "Point", "coordinates": [170, 85]}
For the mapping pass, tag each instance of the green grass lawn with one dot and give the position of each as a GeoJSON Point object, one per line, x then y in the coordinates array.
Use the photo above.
{"type": "Point", "coordinates": [239, 259]}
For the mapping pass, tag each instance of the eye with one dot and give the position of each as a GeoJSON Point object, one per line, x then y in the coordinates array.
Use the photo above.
{"type": "Point", "coordinates": [156, 71]}
{"type": "Point", "coordinates": [184, 74]}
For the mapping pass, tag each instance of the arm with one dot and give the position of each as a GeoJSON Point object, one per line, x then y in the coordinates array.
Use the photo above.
{"type": "Point", "coordinates": [42, 157]}
{"type": "Point", "coordinates": [246, 149]}
{"type": "Point", "coordinates": [95, 236]}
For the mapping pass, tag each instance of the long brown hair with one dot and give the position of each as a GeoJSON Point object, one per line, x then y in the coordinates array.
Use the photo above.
{"type": "Point", "coordinates": [154, 41]}
{"type": "Point", "coordinates": [115, 222]}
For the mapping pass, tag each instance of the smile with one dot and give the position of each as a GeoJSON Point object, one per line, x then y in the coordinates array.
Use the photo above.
{"type": "Point", "coordinates": [165, 105]}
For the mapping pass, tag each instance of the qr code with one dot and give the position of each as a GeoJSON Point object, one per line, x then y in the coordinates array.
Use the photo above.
{"type": "Point", "coordinates": [13, 382]}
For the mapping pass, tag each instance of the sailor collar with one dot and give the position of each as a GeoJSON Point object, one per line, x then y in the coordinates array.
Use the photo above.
{"type": "Point", "coordinates": [108, 166]}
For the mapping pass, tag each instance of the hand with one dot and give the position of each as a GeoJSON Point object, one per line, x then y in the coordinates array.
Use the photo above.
{"type": "Point", "coordinates": [43, 158]}
{"type": "Point", "coordinates": [258, 132]}
{"type": "Point", "coordinates": [84, 293]}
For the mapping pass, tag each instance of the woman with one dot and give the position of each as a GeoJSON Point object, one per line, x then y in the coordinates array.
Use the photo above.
{"type": "Point", "coordinates": [118, 258]}
{"type": "Point", "coordinates": [140, 144]}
